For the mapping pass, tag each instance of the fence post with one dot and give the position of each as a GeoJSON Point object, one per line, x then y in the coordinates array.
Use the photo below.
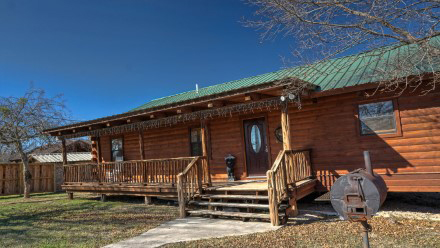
{"type": "Point", "coordinates": [54, 177]}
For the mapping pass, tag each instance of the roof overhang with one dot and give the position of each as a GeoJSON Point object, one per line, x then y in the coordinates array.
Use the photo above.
{"type": "Point", "coordinates": [134, 118]}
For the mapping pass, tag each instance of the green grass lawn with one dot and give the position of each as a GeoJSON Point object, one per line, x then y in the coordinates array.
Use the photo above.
{"type": "Point", "coordinates": [51, 220]}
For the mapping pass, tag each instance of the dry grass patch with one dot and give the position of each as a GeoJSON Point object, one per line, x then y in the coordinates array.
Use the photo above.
{"type": "Point", "coordinates": [50, 220]}
{"type": "Point", "coordinates": [330, 232]}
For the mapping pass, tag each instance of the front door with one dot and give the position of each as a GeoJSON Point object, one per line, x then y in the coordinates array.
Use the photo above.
{"type": "Point", "coordinates": [256, 147]}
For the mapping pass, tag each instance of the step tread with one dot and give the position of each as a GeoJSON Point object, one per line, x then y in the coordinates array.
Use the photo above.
{"type": "Point", "coordinates": [243, 197]}
{"type": "Point", "coordinates": [230, 214]}
{"type": "Point", "coordinates": [231, 205]}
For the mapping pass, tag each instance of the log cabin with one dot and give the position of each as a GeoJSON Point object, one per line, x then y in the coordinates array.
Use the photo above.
{"type": "Point", "coordinates": [286, 145]}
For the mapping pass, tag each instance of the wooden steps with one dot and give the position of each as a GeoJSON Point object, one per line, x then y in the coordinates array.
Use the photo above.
{"type": "Point", "coordinates": [237, 201]}
{"type": "Point", "coordinates": [229, 205]}
{"type": "Point", "coordinates": [243, 197]}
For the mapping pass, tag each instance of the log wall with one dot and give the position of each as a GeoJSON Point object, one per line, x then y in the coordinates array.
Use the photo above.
{"type": "Point", "coordinates": [408, 162]}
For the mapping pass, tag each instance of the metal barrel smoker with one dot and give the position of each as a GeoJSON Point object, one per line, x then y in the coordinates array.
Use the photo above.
{"type": "Point", "coordinates": [358, 195]}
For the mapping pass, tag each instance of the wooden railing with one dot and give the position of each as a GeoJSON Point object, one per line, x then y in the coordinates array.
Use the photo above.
{"type": "Point", "coordinates": [289, 168]}
{"type": "Point", "coordinates": [152, 171]}
{"type": "Point", "coordinates": [190, 182]}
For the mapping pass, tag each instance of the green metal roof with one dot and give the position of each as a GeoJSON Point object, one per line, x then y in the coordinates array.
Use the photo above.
{"type": "Point", "coordinates": [331, 74]}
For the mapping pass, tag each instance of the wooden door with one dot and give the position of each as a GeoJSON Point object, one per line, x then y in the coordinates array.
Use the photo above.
{"type": "Point", "coordinates": [256, 147]}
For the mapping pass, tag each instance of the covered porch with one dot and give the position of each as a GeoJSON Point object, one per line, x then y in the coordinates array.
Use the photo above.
{"type": "Point", "coordinates": [239, 123]}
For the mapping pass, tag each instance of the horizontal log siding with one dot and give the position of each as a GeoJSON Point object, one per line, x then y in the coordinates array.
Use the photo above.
{"type": "Point", "coordinates": [131, 146]}
{"type": "Point", "coordinates": [410, 162]}
{"type": "Point", "coordinates": [168, 142]}
{"type": "Point", "coordinates": [226, 137]}
{"type": "Point", "coordinates": [105, 149]}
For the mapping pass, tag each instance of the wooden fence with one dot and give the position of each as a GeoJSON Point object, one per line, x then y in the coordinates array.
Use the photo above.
{"type": "Point", "coordinates": [11, 178]}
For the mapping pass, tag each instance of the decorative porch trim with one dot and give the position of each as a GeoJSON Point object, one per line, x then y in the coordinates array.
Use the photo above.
{"type": "Point", "coordinates": [267, 104]}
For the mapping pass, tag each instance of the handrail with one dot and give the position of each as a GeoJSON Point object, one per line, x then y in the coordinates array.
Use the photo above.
{"type": "Point", "coordinates": [190, 182]}
{"type": "Point", "coordinates": [289, 168]}
{"type": "Point", "coordinates": [151, 171]}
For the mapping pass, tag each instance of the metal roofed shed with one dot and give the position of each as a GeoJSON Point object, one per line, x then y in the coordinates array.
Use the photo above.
{"type": "Point", "coordinates": [58, 157]}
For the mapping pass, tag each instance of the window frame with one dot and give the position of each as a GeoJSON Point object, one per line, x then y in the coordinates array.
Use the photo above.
{"type": "Point", "coordinates": [396, 111]}
{"type": "Point", "coordinates": [111, 148]}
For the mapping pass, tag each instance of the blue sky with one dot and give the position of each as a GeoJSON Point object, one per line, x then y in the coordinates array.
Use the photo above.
{"type": "Point", "coordinates": [109, 56]}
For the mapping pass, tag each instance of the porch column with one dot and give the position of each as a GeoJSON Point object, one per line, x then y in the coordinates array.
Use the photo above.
{"type": "Point", "coordinates": [63, 150]}
{"type": "Point", "coordinates": [96, 149]}
{"type": "Point", "coordinates": [285, 126]}
{"type": "Point", "coordinates": [204, 130]}
{"type": "Point", "coordinates": [292, 210]}
{"type": "Point", "coordinates": [141, 145]}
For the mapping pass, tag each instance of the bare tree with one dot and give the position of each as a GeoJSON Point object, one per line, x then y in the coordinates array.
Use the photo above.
{"type": "Point", "coordinates": [330, 28]}
{"type": "Point", "coordinates": [22, 120]}
{"type": "Point", "coordinates": [5, 153]}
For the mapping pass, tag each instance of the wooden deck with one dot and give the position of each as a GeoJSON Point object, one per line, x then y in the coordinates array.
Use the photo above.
{"type": "Point", "coordinates": [303, 188]}
{"type": "Point", "coordinates": [158, 190]}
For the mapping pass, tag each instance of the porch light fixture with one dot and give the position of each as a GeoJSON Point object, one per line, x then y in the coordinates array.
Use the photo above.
{"type": "Point", "coordinates": [290, 96]}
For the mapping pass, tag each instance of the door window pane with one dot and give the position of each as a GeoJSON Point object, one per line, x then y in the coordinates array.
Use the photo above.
{"type": "Point", "coordinates": [256, 138]}
{"type": "Point", "coordinates": [377, 118]}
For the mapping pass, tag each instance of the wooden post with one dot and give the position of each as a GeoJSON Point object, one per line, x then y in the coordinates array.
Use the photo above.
{"type": "Point", "coordinates": [64, 151]}
{"type": "Point", "coordinates": [181, 196]}
{"type": "Point", "coordinates": [103, 197]}
{"type": "Point", "coordinates": [292, 210]}
{"type": "Point", "coordinates": [70, 195]}
{"type": "Point", "coordinates": [205, 151]}
{"type": "Point", "coordinates": [54, 177]}
{"type": "Point", "coordinates": [285, 126]}
{"type": "Point", "coordinates": [148, 200]}
{"type": "Point", "coordinates": [273, 202]}
{"type": "Point", "coordinates": [98, 150]}
{"type": "Point", "coordinates": [141, 145]}
{"type": "Point", "coordinates": [200, 175]}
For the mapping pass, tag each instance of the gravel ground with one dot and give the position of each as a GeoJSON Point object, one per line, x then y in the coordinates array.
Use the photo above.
{"type": "Point", "coordinates": [418, 206]}
{"type": "Point", "coordinates": [406, 220]}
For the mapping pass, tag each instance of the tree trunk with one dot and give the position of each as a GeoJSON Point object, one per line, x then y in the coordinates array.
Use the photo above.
{"type": "Point", "coordinates": [27, 175]}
